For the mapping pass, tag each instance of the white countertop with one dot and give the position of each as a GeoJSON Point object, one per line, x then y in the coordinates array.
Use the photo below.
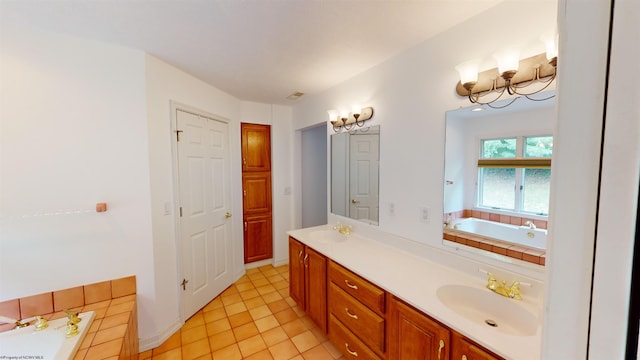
{"type": "Point", "coordinates": [415, 280]}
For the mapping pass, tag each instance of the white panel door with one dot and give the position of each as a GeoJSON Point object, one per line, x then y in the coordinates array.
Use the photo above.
{"type": "Point", "coordinates": [205, 228]}
{"type": "Point", "coordinates": [363, 172]}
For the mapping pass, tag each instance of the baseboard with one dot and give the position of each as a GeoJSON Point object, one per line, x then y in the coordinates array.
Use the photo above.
{"type": "Point", "coordinates": [154, 342]}
{"type": "Point", "coordinates": [281, 262]}
{"type": "Point", "coordinates": [256, 264]}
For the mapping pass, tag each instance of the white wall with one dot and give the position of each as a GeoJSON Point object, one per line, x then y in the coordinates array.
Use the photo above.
{"type": "Point", "coordinates": [73, 132]}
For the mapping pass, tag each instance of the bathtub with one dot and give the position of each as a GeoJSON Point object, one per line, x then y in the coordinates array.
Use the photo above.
{"type": "Point", "coordinates": [48, 344]}
{"type": "Point", "coordinates": [517, 235]}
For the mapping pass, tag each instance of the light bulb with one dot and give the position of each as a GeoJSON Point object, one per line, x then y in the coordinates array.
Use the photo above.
{"type": "Point", "coordinates": [468, 71]}
{"type": "Point", "coordinates": [507, 61]}
{"type": "Point", "coordinates": [333, 115]}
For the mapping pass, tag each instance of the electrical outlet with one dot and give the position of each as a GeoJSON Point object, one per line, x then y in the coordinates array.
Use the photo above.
{"type": "Point", "coordinates": [392, 208]}
{"type": "Point", "coordinates": [424, 214]}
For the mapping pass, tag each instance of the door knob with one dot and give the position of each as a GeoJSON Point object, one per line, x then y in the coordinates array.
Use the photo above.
{"type": "Point", "coordinates": [354, 201]}
{"type": "Point", "coordinates": [227, 215]}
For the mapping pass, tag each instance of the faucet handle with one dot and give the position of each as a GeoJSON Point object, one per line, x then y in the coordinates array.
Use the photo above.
{"type": "Point", "coordinates": [514, 291]}
{"type": "Point", "coordinates": [492, 283]}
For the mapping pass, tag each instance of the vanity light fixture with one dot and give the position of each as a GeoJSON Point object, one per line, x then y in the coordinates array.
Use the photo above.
{"type": "Point", "coordinates": [346, 120]}
{"type": "Point", "coordinates": [512, 75]}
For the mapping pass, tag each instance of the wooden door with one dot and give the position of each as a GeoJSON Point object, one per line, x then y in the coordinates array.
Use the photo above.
{"type": "Point", "coordinates": [463, 349]}
{"type": "Point", "coordinates": [204, 205]}
{"type": "Point", "coordinates": [256, 191]}
{"type": "Point", "coordinates": [296, 271]}
{"type": "Point", "coordinates": [316, 287]}
{"type": "Point", "coordinates": [257, 227]}
{"type": "Point", "coordinates": [256, 147]}
{"type": "Point", "coordinates": [413, 335]}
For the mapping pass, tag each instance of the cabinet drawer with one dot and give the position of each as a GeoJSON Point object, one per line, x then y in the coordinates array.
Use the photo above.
{"type": "Point", "coordinates": [361, 289]}
{"type": "Point", "coordinates": [345, 341]}
{"type": "Point", "coordinates": [356, 317]}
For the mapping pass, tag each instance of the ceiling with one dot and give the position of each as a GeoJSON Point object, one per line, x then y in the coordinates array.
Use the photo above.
{"type": "Point", "coordinates": [259, 50]}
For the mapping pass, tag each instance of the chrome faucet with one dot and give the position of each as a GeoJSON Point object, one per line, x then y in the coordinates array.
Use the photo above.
{"type": "Point", "coordinates": [530, 224]}
{"type": "Point", "coordinates": [343, 229]}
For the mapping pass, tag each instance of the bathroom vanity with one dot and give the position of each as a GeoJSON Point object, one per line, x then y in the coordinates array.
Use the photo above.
{"type": "Point", "coordinates": [380, 302]}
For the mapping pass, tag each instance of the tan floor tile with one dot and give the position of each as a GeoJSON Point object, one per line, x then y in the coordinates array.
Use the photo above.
{"type": "Point", "coordinates": [251, 345]}
{"type": "Point", "coordinates": [284, 350]}
{"type": "Point", "coordinates": [281, 285]}
{"type": "Point", "coordinates": [263, 290]}
{"type": "Point", "coordinates": [175, 354]}
{"type": "Point", "coordinates": [235, 308]}
{"type": "Point", "coordinates": [254, 303]}
{"type": "Point", "coordinates": [196, 320]}
{"type": "Point", "coordinates": [298, 311]}
{"type": "Point", "coordinates": [231, 290]}
{"type": "Point", "coordinates": [193, 334]}
{"type": "Point", "coordinates": [270, 272]}
{"type": "Point", "coordinates": [145, 355]}
{"type": "Point", "coordinates": [253, 271]}
{"type": "Point", "coordinates": [274, 336]}
{"type": "Point", "coordinates": [298, 357]}
{"type": "Point", "coordinates": [248, 285]}
{"type": "Point", "coordinates": [215, 314]}
{"type": "Point", "coordinates": [203, 357]}
{"type": "Point", "coordinates": [257, 277]}
{"type": "Point", "coordinates": [294, 328]}
{"type": "Point", "coordinates": [245, 331]}
{"type": "Point", "coordinates": [196, 349]}
{"type": "Point", "coordinates": [290, 301]}
{"type": "Point", "coordinates": [260, 312]}
{"type": "Point", "coordinates": [214, 304]}
{"type": "Point", "coordinates": [307, 322]}
{"type": "Point", "coordinates": [218, 326]}
{"type": "Point", "coordinates": [221, 340]}
{"type": "Point", "coordinates": [318, 333]}
{"type": "Point", "coordinates": [249, 294]}
{"type": "Point", "coordinates": [260, 355]}
{"type": "Point", "coordinates": [278, 306]}
{"type": "Point", "coordinates": [240, 319]}
{"type": "Point", "coordinates": [272, 297]}
{"type": "Point", "coordinates": [174, 341]}
{"type": "Point", "coordinates": [260, 282]}
{"type": "Point", "coordinates": [231, 352]}
{"type": "Point", "coordinates": [284, 292]}
{"type": "Point", "coordinates": [266, 323]}
{"type": "Point", "coordinates": [305, 341]}
{"type": "Point", "coordinates": [332, 349]}
{"type": "Point", "coordinates": [231, 299]}
{"type": "Point", "coordinates": [286, 316]}
{"type": "Point", "coordinates": [318, 352]}
{"type": "Point", "coordinates": [275, 278]}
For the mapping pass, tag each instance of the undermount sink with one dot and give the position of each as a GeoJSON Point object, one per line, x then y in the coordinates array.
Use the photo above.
{"type": "Point", "coordinates": [327, 236]}
{"type": "Point", "coordinates": [491, 310]}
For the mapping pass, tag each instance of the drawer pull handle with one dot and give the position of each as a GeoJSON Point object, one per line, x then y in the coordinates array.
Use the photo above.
{"type": "Point", "coordinates": [464, 357]}
{"type": "Point", "coordinates": [442, 347]}
{"type": "Point", "coordinates": [353, 353]}
{"type": "Point", "coordinates": [353, 316]}
{"type": "Point", "coordinates": [354, 287]}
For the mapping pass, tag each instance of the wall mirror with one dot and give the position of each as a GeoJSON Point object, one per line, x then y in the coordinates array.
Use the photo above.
{"type": "Point", "coordinates": [355, 159]}
{"type": "Point", "coordinates": [497, 179]}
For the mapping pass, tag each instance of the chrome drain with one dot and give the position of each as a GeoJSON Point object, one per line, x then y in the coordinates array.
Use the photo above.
{"type": "Point", "coordinates": [491, 323]}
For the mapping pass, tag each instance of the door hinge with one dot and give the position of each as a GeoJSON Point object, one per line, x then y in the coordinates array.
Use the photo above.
{"type": "Point", "coordinates": [178, 135]}
{"type": "Point", "coordinates": [180, 211]}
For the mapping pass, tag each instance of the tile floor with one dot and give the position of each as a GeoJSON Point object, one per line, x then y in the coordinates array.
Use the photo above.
{"type": "Point", "coordinates": [252, 319]}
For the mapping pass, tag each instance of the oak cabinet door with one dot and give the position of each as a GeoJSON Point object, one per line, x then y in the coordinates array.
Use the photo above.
{"type": "Point", "coordinates": [413, 335]}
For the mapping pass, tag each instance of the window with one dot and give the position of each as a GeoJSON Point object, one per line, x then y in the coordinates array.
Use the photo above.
{"type": "Point", "coordinates": [514, 174]}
